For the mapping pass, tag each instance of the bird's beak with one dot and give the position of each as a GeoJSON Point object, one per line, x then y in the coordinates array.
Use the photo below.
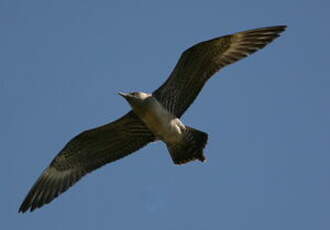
{"type": "Point", "coordinates": [124, 95]}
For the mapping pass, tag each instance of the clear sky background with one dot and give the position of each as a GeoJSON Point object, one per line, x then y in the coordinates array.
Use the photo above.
{"type": "Point", "coordinates": [268, 116]}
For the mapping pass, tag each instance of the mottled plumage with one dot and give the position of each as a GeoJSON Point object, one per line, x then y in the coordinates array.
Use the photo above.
{"type": "Point", "coordinates": [96, 147]}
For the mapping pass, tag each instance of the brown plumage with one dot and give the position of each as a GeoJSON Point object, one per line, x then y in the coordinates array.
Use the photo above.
{"type": "Point", "coordinates": [96, 147]}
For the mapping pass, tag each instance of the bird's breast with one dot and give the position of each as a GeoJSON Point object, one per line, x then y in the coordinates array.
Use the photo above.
{"type": "Point", "coordinates": [162, 123]}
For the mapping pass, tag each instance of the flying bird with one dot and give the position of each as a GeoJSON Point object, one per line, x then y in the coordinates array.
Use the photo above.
{"type": "Point", "coordinates": [154, 116]}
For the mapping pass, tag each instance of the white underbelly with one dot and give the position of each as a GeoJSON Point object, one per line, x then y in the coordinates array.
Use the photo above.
{"type": "Point", "coordinates": [164, 125]}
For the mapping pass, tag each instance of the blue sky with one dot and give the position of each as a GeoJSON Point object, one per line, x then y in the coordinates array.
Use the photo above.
{"type": "Point", "coordinates": [268, 116]}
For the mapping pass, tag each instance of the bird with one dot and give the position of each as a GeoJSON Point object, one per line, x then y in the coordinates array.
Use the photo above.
{"type": "Point", "coordinates": [154, 117]}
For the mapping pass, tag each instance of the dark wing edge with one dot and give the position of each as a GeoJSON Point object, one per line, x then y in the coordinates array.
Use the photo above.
{"type": "Point", "coordinates": [198, 63]}
{"type": "Point", "coordinates": [86, 152]}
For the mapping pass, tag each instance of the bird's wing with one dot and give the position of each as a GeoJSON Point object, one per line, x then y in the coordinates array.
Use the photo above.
{"type": "Point", "coordinates": [198, 63]}
{"type": "Point", "coordinates": [84, 153]}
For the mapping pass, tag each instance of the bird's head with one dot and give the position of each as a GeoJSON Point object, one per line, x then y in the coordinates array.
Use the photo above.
{"type": "Point", "coordinates": [135, 98]}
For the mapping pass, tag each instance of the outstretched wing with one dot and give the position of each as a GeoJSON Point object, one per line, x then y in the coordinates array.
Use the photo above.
{"type": "Point", "coordinates": [84, 153]}
{"type": "Point", "coordinates": [198, 63]}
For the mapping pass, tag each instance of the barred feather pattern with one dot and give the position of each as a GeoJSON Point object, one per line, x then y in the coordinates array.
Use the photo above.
{"type": "Point", "coordinates": [200, 62]}
{"type": "Point", "coordinates": [85, 153]}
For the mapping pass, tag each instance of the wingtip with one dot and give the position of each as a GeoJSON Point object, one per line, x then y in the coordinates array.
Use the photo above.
{"type": "Point", "coordinates": [22, 209]}
{"type": "Point", "coordinates": [25, 206]}
{"type": "Point", "coordinates": [276, 28]}
{"type": "Point", "coordinates": [281, 27]}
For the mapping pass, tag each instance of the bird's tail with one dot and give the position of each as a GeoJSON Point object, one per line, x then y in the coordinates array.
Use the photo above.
{"type": "Point", "coordinates": [189, 148]}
